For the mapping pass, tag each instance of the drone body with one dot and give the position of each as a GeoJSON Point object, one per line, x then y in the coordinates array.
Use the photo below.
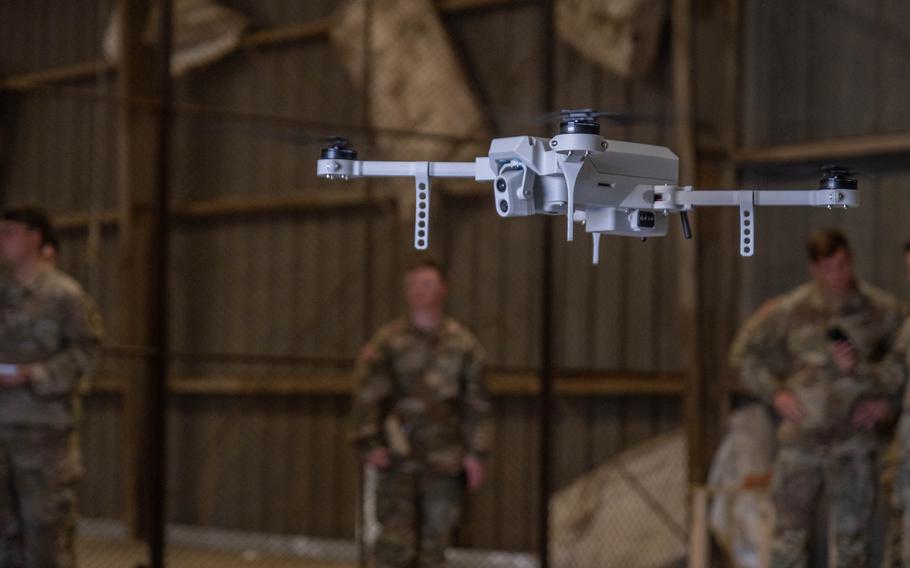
{"type": "Point", "coordinates": [612, 187]}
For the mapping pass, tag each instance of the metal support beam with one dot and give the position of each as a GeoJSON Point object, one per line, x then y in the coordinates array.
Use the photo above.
{"type": "Point", "coordinates": [547, 327]}
{"type": "Point", "coordinates": [316, 30]}
{"type": "Point", "coordinates": [830, 149]}
{"type": "Point", "coordinates": [159, 309]}
{"type": "Point", "coordinates": [684, 127]}
{"type": "Point", "coordinates": [143, 184]}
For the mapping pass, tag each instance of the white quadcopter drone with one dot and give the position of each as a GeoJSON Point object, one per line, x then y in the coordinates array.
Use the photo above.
{"type": "Point", "coordinates": [610, 186]}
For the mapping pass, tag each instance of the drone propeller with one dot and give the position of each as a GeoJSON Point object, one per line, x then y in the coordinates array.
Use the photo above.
{"type": "Point", "coordinates": [837, 177]}
{"type": "Point", "coordinates": [589, 114]}
{"type": "Point", "coordinates": [338, 148]}
{"type": "Point", "coordinates": [517, 119]}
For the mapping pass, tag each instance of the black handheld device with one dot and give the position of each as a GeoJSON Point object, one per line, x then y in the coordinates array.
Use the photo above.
{"type": "Point", "coordinates": [837, 334]}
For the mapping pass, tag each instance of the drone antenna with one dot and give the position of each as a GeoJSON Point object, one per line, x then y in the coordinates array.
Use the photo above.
{"type": "Point", "coordinates": [686, 227]}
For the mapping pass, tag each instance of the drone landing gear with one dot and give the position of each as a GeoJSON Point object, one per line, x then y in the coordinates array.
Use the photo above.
{"type": "Point", "coordinates": [422, 205]}
{"type": "Point", "coordinates": [747, 223]}
{"type": "Point", "coordinates": [596, 238]}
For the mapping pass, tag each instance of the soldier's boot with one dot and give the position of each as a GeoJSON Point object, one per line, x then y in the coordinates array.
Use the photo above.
{"type": "Point", "coordinates": [10, 528]}
{"type": "Point", "coordinates": [396, 512]}
{"type": "Point", "coordinates": [441, 506]}
{"type": "Point", "coordinates": [49, 529]}
{"type": "Point", "coordinates": [851, 488]}
{"type": "Point", "coordinates": [795, 487]}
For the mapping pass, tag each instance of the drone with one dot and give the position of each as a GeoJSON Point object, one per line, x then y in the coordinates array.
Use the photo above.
{"type": "Point", "coordinates": [611, 187]}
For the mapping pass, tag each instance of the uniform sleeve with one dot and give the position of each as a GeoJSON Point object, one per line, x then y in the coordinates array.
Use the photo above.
{"type": "Point", "coordinates": [889, 372]}
{"type": "Point", "coordinates": [62, 373]}
{"type": "Point", "coordinates": [477, 418]}
{"type": "Point", "coordinates": [758, 351]}
{"type": "Point", "coordinates": [374, 386]}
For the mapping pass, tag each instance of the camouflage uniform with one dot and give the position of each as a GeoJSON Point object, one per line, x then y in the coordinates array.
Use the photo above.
{"type": "Point", "coordinates": [51, 326]}
{"type": "Point", "coordinates": [422, 396]}
{"type": "Point", "coordinates": [786, 345]}
{"type": "Point", "coordinates": [897, 366]}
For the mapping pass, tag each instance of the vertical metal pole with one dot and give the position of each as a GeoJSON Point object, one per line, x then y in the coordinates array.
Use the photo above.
{"type": "Point", "coordinates": [546, 331]}
{"type": "Point", "coordinates": [368, 276]}
{"type": "Point", "coordinates": [159, 315]}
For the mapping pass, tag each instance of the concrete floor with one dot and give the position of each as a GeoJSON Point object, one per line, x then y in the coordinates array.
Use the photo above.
{"type": "Point", "coordinates": [106, 544]}
{"type": "Point", "coordinates": [93, 553]}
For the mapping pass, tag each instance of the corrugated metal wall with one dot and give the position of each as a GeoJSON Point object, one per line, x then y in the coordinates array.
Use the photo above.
{"type": "Point", "coordinates": [292, 284]}
{"type": "Point", "coordinates": [814, 70]}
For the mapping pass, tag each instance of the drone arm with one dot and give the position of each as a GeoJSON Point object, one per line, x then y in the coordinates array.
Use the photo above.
{"type": "Point", "coordinates": [346, 169]}
{"type": "Point", "coordinates": [674, 198]}
{"type": "Point", "coordinates": [422, 172]}
{"type": "Point", "coordinates": [407, 169]}
{"type": "Point", "coordinates": [766, 197]}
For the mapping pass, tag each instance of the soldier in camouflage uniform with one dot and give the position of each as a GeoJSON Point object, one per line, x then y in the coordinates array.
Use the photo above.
{"type": "Point", "coordinates": [421, 416]}
{"type": "Point", "coordinates": [897, 368]}
{"type": "Point", "coordinates": [49, 334]}
{"type": "Point", "coordinates": [812, 354]}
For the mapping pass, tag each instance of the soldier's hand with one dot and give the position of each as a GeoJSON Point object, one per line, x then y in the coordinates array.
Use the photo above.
{"type": "Point", "coordinates": [474, 471]}
{"type": "Point", "coordinates": [788, 406]}
{"type": "Point", "coordinates": [868, 413]}
{"type": "Point", "coordinates": [846, 357]}
{"type": "Point", "coordinates": [379, 458]}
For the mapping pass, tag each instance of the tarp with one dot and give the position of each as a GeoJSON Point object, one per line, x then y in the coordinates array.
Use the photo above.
{"type": "Point", "coordinates": [204, 32]}
{"type": "Point", "coordinates": [631, 511]}
{"type": "Point", "coordinates": [741, 514]}
{"type": "Point", "coordinates": [416, 79]}
{"type": "Point", "coordinates": [416, 84]}
{"type": "Point", "coordinates": [622, 36]}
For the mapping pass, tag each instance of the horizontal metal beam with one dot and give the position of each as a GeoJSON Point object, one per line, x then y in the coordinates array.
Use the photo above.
{"type": "Point", "coordinates": [503, 384]}
{"type": "Point", "coordinates": [31, 80]}
{"type": "Point", "coordinates": [345, 198]}
{"type": "Point", "coordinates": [271, 37]}
{"type": "Point", "coordinates": [830, 149]}
{"type": "Point", "coordinates": [83, 219]}
{"type": "Point", "coordinates": [291, 33]}
{"type": "Point", "coordinates": [289, 203]}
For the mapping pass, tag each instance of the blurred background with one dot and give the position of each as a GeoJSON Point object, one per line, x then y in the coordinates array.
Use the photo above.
{"type": "Point", "coordinates": [237, 287]}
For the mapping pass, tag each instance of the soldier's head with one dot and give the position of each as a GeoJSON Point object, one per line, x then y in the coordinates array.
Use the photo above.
{"type": "Point", "coordinates": [425, 285]}
{"type": "Point", "coordinates": [23, 233]}
{"type": "Point", "coordinates": [831, 261]}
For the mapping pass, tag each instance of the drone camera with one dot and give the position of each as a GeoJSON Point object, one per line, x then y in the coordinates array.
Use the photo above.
{"type": "Point", "coordinates": [513, 191]}
{"type": "Point", "coordinates": [640, 220]}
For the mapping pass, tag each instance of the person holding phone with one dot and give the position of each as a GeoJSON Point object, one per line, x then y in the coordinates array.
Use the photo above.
{"type": "Point", "coordinates": [813, 356]}
{"type": "Point", "coordinates": [50, 334]}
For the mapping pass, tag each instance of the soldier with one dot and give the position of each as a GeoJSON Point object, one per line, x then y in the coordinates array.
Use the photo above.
{"type": "Point", "coordinates": [49, 334]}
{"type": "Point", "coordinates": [897, 366]}
{"type": "Point", "coordinates": [421, 416]}
{"type": "Point", "coordinates": [812, 355]}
